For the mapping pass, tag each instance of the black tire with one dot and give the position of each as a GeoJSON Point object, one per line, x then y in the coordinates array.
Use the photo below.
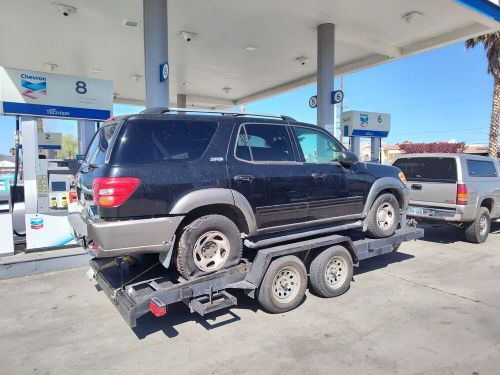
{"type": "Point", "coordinates": [479, 229]}
{"type": "Point", "coordinates": [269, 291]}
{"type": "Point", "coordinates": [376, 230]}
{"type": "Point", "coordinates": [194, 232]}
{"type": "Point", "coordinates": [325, 282]}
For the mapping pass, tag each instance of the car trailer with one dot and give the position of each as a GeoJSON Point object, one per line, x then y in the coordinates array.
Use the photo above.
{"type": "Point", "coordinates": [276, 276]}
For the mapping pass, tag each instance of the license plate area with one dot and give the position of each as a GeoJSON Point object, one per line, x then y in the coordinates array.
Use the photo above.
{"type": "Point", "coordinates": [418, 211]}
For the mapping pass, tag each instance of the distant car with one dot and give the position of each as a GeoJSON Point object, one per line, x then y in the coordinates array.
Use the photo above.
{"type": "Point", "coordinates": [458, 189]}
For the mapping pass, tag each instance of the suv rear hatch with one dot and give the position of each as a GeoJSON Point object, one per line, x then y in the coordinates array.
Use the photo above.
{"type": "Point", "coordinates": [432, 180]}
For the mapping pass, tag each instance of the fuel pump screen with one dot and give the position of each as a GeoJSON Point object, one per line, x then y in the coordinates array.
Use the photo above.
{"type": "Point", "coordinates": [58, 186]}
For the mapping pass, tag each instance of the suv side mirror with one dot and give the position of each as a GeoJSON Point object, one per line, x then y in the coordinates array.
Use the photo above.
{"type": "Point", "coordinates": [347, 158]}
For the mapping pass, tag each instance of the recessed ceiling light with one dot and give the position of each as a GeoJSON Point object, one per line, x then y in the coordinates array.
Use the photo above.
{"type": "Point", "coordinates": [50, 66]}
{"type": "Point", "coordinates": [97, 70]}
{"type": "Point", "coordinates": [302, 60]}
{"type": "Point", "coordinates": [131, 23]}
{"type": "Point", "coordinates": [410, 17]}
{"type": "Point", "coordinates": [186, 83]}
{"type": "Point", "coordinates": [250, 48]}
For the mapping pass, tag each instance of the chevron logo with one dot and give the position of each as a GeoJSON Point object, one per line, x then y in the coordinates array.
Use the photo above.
{"type": "Point", "coordinates": [33, 89]}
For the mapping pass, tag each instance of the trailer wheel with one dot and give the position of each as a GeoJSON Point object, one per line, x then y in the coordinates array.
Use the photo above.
{"type": "Point", "coordinates": [331, 272]}
{"type": "Point", "coordinates": [208, 244]}
{"type": "Point", "coordinates": [284, 285]}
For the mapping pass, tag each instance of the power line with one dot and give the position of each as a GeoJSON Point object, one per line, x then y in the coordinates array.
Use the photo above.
{"type": "Point", "coordinates": [439, 131]}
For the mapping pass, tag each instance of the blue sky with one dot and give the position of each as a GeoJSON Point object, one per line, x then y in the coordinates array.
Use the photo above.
{"type": "Point", "coordinates": [442, 94]}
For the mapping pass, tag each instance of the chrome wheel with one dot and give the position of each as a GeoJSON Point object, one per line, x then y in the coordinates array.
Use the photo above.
{"type": "Point", "coordinates": [483, 225]}
{"type": "Point", "coordinates": [211, 251]}
{"type": "Point", "coordinates": [336, 271]}
{"type": "Point", "coordinates": [385, 216]}
{"type": "Point", "coordinates": [286, 284]}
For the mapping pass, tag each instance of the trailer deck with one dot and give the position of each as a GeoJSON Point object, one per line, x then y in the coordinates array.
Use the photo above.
{"type": "Point", "coordinates": [146, 286]}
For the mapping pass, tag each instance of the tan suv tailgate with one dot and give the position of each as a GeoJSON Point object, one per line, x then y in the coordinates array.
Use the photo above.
{"type": "Point", "coordinates": [432, 180]}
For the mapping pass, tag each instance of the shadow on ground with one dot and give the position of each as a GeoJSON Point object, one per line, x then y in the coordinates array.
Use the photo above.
{"type": "Point", "coordinates": [447, 234]}
{"type": "Point", "coordinates": [179, 313]}
{"type": "Point", "coordinates": [381, 261]}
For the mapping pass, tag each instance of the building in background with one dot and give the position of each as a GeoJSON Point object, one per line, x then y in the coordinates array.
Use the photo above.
{"type": "Point", "coordinates": [391, 152]}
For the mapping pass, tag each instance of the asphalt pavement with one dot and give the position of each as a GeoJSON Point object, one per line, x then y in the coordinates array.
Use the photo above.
{"type": "Point", "coordinates": [431, 308]}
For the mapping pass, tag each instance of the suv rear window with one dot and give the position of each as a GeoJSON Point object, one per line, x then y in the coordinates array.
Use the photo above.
{"type": "Point", "coordinates": [479, 168]}
{"type": "Point", "coordinates": [428, 169]}
{"type": "Point", "coordinates": [160, 141]}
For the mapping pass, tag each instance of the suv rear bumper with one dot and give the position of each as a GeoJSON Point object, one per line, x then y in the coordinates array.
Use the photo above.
{"type": "Point", "coordinates": [110, 239]}
{"type": "Point", "coordinates": [459, 215]}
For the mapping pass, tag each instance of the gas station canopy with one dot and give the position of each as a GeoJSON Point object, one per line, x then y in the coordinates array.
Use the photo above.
{"type": "Point", "coordinates": [239, 51]}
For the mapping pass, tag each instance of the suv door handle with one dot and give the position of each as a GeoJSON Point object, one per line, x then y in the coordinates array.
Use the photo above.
{"type": "Point", "coordinates": [416, 187]}
{"type": "Point", "coordinates": [318, 175]}
{"type": "Point", "coordinates": [244, 177]}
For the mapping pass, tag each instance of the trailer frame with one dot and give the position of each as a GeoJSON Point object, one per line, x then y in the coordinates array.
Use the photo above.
{"type": "Point", "coordinates": [208, 293]}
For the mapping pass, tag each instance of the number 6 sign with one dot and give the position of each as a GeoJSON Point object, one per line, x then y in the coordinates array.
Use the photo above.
{"type": "Point", "coordinates": [337, 96]}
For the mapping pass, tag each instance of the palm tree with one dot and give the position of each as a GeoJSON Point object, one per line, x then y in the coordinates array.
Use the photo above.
{"type": "Point", "coordinates": [491, 44]}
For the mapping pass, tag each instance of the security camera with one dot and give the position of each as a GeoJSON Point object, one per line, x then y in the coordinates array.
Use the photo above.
{"type": "Point", "coordinates": [65, 10]}
{"type": "Point", "coordinates": [187, 36]}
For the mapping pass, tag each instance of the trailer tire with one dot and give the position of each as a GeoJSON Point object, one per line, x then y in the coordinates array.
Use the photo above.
{"type": "Point", "coordinates": [193, 258]}
{"type": "Point", "coordinates": [331, 272]}
{"type": "Point", "coordinates": [284, 285]}
{"type": "Point", "coordinates": [383, 217]}
{"type": "Point", "coordinates": [478, 230]}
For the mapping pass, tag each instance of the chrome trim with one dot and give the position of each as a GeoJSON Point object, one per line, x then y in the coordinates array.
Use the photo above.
{"type": "Point", "coordinates": [306, 224]}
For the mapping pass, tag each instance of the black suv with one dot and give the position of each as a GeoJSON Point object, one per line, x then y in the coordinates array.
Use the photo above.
{"type": "Point", "coordinates": [194, 186]}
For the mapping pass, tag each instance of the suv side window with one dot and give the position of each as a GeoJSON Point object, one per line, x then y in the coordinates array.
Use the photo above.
{"type": "Point", "coordinates": [96, 153]}
{"type": "Point", "coordinates": [479, 168]}
{"type": "Point", "coordinates": [316, 146]}
{"type": "Point", "coordinates": [262, 142]}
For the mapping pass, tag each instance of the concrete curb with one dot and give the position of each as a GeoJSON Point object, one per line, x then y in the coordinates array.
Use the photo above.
{"type": "Point", "coordinates": [37, 263]}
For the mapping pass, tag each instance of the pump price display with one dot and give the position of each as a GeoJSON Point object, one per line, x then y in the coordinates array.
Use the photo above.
{"type": "Point", "coordinates": [25, 92]}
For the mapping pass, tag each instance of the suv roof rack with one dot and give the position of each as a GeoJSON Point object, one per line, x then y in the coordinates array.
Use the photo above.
{"type": "Point", "coordinates": [162, 110]}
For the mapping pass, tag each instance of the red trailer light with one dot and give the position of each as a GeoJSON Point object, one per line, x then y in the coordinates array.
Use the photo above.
{"type": "Point", "coordinates": [462, 194]}
{"type": "Point", "coordinates": [157, 308]}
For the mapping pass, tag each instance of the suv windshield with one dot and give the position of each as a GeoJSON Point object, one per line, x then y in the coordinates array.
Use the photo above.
{"type": "Point", "coordinates": [159, 141]}
{"type": "Point", "coordinates": [428, 169]}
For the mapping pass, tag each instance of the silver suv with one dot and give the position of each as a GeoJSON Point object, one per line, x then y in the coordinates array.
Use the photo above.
{"type": "Point", "coordinates": [459, 189]}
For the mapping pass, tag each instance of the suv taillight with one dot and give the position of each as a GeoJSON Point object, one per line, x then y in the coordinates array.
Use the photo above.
{"type": "Point", "coordinates": [113, 191]}
{"type": "Point", "coordinates": [462, 194]}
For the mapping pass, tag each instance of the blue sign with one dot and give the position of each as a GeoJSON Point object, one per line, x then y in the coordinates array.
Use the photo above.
{"type": "Point", "coordinates": [337, 96]}
{"type": "Point", "coordinates": [313, 101]}
{"type": "Point", "coordinates": [4, 186]}
{"type": "Point", "coordinates": [55, 111]}
{"type": "Point", "coordinates": [164, 71]}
